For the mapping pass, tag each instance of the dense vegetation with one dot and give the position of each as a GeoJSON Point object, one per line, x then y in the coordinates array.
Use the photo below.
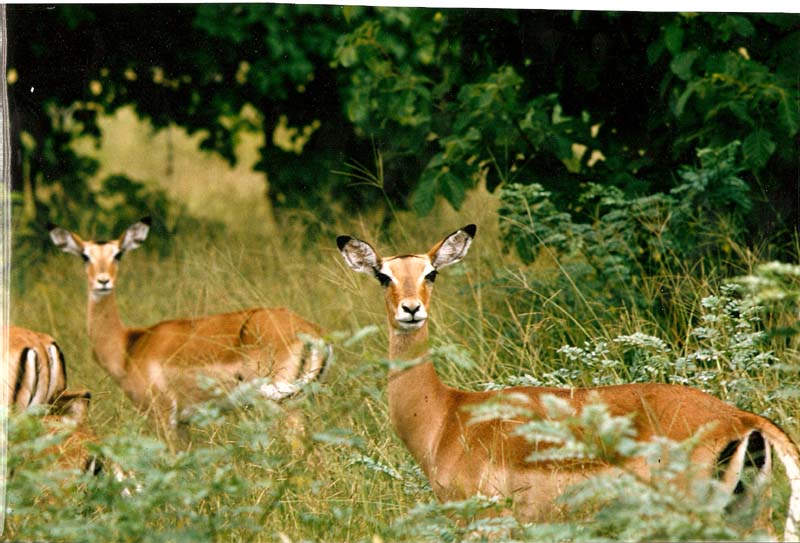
{"type": "Point", "coordinates": [416, 103]}
{"type": "Point", "coordinates": [630, 176]}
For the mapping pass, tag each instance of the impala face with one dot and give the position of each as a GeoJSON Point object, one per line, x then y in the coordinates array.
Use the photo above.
{"type": "Point", "coordinates": [101, 257]}
{"type": "Point", "coordinates": [407, 280]}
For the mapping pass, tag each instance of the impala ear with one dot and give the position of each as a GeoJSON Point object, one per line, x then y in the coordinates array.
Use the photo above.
{"type": "Point", "coordinates": [453, 247]}
{"type": "Point", "coordinates": [66, 240]}
{"type": "Point", "coordinates": [135, 235]}
{"type": "Point", "coordinates": [358, 254]}
{"type": "Point", "coordinates": [72, 405]}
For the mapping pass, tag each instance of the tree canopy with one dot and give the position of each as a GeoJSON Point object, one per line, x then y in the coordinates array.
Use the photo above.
{"type": "Point", "coordinates": [416, 104]}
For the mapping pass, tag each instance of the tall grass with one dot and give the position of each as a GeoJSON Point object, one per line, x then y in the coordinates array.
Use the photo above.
{"type": "Point", "coordinates": [327, 465]}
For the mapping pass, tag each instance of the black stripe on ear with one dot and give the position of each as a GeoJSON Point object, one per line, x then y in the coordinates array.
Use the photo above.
{"type": "Point", "coordinates": [470, 229]}
{"type": "Point", "coordinates": [341, 241]}
{"type": "Point", "coordinates": [94, 465]}
{"type": "Point", "coordinates": [20, 375]}
{"type": "Point", "coordinates": [146, 220]}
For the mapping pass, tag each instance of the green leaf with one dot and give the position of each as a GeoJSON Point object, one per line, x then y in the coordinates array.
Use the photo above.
{"type": "Point", "coordinates": [758, 147]}
{"type": "Point", "coordinates": [681, 64]}
{"type": "Point", "coordinates": [789, 112]}
{"type": "Point", "coordinates": [741, 25]}
{"type": "Point", "coordinates": [424, 196]}
{"type": "Point", "coordinates": [654, 51]}
{"type": "Point", "coordinates": [673, 38]}
{"type": "Point", "coordinates": [348, 56]}
{"type": "Point", "coordinates": [453, 189]}
{"type": "Point", "coordinates": [741, 111]}
{"type": "Point", "coordinates": [680, 105]}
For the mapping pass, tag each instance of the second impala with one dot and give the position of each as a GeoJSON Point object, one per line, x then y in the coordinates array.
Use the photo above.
{"type": "Point", "coordinates": [158, 366]}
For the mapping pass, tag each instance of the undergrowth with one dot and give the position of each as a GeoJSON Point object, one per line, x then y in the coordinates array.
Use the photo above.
{"type": "Point", "coordinates": [326, 465]}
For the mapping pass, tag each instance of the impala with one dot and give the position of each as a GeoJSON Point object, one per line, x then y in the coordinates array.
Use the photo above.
{"type": "Point", "coordinates": [462, 459]}
{"type": "Point", "coordinates": [36, 373]}
{"type": "Point", "coordinates": [71, 408]}
{"type": "Point", "coordinates": [158, 366]}
{"type": "Point", "coordinates": [37, 376]}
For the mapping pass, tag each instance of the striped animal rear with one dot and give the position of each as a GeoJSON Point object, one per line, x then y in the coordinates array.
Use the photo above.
{"type": "Point", "coordinates": [22, 372]}
{"type": "Point", "coordinates": [754, 451]}
{"type": "Point", "coordinates": [315, 358]}
{"type": "Point", "coordinates": [36, 372]}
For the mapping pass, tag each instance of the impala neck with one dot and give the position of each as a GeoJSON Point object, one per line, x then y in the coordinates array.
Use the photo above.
{"type": "Point", "coordinates": [107, 333]}
{"type": "Point", "coordinates": [418, 400]}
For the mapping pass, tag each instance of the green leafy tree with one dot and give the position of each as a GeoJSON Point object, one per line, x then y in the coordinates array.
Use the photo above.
{"type": "Point", "coordinates": [422, 103]}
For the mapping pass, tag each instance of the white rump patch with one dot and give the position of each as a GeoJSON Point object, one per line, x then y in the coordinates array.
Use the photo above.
{"type": "Point", "coordinates": [278, 391]}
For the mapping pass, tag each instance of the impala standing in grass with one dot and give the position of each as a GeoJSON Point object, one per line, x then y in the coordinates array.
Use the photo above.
{"type": "Point", "coordinates": [158, 366]}
{"type": "Point", "coordinates": [462, 459]}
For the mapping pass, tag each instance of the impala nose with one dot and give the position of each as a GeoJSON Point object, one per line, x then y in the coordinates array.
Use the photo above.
{"type": "Point", "coordinates": [103, 281]}
{"type": "Point", "coordinates": [410, 314]}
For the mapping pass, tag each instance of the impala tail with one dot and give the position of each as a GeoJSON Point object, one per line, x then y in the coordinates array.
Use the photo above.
{"type": "Point", "coordinates": [755, 451]}
{"type": "Point", "coordinates": [789, 456]}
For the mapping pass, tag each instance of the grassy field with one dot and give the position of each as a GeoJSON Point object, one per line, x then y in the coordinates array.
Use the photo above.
{"type": "Point", "coordinates": [327, 466]}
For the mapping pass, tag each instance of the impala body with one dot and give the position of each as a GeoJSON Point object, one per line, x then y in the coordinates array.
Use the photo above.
{"type": "Point", "coordinates": [461, 458]}
{"type": "Point", "coordinates": [158, 366]}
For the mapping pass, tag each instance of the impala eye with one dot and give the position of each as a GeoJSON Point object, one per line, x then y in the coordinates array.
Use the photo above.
{"type": "Point", "coordinates": [118, 256]}
{"type": "Point", "coordinates": [384, 279]}
{"type": "Point", "coordinates": [85, 257]}
{"type": "Point", "coordinates": [431, 276]}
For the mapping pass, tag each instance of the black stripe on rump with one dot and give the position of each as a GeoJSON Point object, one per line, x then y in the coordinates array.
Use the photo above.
{"type": "Point", "coordinates": [755, 456]}
{"type": "Point", "coordinates": [21, 366]}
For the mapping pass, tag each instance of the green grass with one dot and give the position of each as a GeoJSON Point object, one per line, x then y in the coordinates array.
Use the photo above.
{"type": "Point", "coordinates": [327, 465]}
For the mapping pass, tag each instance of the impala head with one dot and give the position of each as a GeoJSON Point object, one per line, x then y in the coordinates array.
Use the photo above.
{"type": "Point", "coordinates": [101, 257]}
{"type": "Point", "coordinates": [71, 405]}
{"type": "Point", "coordinates": [407, 280]}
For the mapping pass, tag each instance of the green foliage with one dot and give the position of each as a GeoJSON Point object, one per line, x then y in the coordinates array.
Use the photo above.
{"type": "Point", "coordinates": [726, 353]}
{"type": "Point", "coordinates": [621, 505]}
{"type": "Point", "coordinates": [215, 490]}
{"type": "Point", "coordinates": [449, 98]}
{"type": "Point", "coordinates": [625, 238]}
{"type": "Point", "coordinates": [617, 506]}
{"type": "Point", "coordinates": [729, 95]}
{"type": "Point", "coordinates": [774, 282]}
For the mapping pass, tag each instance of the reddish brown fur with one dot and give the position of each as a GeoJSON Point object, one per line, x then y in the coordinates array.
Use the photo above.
{"type": "Point", "coordinates": [461, 459]}
{"type": "Point", "coordinates": [71, 408]}
{"type": "Point", "coordinates": [158, 366]}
